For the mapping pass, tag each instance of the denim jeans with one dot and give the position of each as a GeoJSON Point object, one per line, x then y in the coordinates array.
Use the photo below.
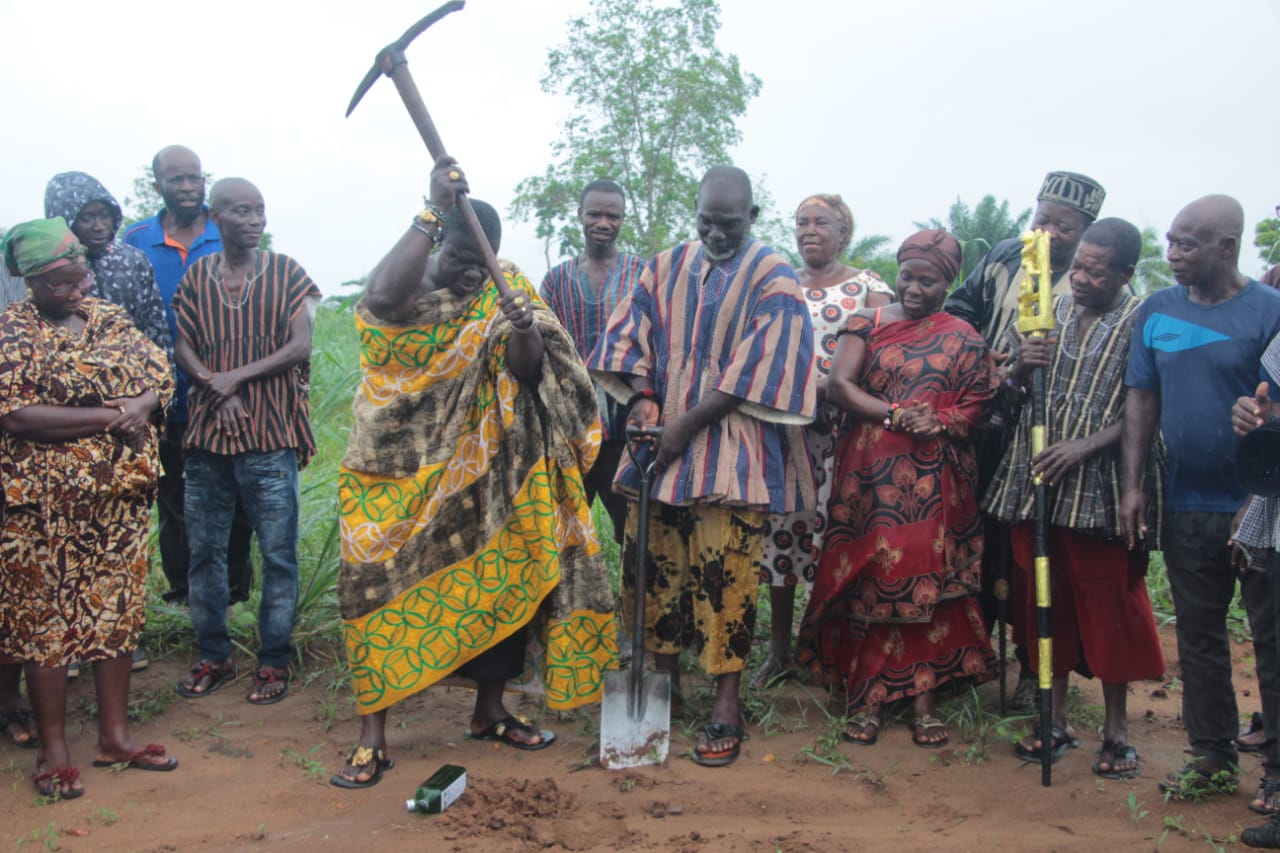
{"type": "Point", "coordinates": [267, 484]}
{"type": "Point", "coordinates": [173, 529]}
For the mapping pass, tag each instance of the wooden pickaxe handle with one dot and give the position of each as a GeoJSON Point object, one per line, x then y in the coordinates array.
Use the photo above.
{"type": "Point", "coordinates": [398, 71]}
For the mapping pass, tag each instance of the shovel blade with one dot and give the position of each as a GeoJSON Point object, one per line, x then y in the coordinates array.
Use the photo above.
{"type": "Point", "coordinates": [634, 737]}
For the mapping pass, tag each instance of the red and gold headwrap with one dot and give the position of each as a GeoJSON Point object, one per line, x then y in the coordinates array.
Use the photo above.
{"type": "Point", "coordinates": [936, 247]}
{"type": "Point", "coordinates": [834, 205]}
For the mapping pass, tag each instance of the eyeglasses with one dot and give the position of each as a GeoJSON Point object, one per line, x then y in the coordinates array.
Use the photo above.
{"type": "Point", "coordinates": [63, 288]}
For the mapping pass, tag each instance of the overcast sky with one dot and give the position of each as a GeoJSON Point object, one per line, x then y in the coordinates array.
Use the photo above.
{"type": "Point", "coordinates": [899, 106]}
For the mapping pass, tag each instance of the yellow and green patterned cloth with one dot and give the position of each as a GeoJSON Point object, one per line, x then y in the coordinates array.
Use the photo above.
{"type": "Point", "coordinates": [463, 515]}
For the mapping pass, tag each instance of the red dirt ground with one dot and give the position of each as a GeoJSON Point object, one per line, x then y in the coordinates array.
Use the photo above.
{"type": "Point", "coordinates": [256, 778]}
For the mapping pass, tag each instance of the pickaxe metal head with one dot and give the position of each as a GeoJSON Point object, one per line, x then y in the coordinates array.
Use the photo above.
{"type": "Point", "coordinates": [393, 54]}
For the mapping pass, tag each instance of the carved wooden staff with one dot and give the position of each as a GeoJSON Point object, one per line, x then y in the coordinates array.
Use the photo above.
{"type": "Point", "coordinates": [1035, 318]}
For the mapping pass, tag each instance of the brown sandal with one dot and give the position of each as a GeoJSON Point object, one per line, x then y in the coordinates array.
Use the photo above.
{"type": "Point", "coordinates": [218, 674]}
{"type": "Point", "coordinates": [265, 676]}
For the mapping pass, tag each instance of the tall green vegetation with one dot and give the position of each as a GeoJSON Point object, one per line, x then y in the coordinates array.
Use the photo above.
{"type": "Point", "coordinates": [655, 103]}
{"type": "Point", "coordinates": [1267, 239]}
{"type": "Point", "coordinates": [1152, 272]}
{"type": "Point", "coordinates": [980, 227]}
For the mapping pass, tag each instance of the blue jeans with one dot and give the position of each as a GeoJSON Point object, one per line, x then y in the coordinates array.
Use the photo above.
{"type": "Point", "coordinates": [267, 485]}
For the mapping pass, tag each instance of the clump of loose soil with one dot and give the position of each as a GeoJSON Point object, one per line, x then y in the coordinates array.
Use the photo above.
{"type": "Point", "coordinates": [520, 809]}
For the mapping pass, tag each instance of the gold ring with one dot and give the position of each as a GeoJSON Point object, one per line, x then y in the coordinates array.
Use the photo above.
{"type": "Point", "coordinates": [454, 174]}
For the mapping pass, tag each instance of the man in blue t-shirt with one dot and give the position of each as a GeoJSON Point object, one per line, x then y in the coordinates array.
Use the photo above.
{"type": "Point", "coordinates": [1196, 348]}
{"type": "Point", "coordinates": [174, 239]}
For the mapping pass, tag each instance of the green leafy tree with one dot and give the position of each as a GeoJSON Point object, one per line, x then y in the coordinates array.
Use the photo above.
{"type": "Point", "coordinates": [143, 202]}
{"type": "Point", "coordinates": [1152, 270]}
{"type": "Point", "coordinates": [980, 228]}
{"type": "Point", "coordinates": [655, 103]}
{"type": "Point", "coordinates": [1267, 239]}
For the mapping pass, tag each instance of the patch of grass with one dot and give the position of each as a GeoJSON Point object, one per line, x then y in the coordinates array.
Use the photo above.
{"type": "Point", "coordinates": [974, 723]}
{"type": "Point", "coordinates": [105, 816]}
{"type": "Point", "coordinates": [1193, 789]}
{"type": "Point", "coordinates": [826, 748]}
{"type": "Point", "coordinates": [43, 837]}
{"type": "Point", "coordinates": [143, 704]}
{"type": "Point", "coordinates": [1136, 807]}
{"type": "Point", "coordinates": [312, 766]}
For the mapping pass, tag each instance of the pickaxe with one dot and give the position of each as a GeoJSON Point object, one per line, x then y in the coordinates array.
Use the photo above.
{"type": "Point", "coordinates": [391, 61]}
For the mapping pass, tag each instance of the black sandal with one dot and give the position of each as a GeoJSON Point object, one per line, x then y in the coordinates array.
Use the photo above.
{"type": "Point", "coordinates": [720, 731]}
{"type": "Point", "coordinates": [1269, 795]}
{"type": "Point", "coordinates": [1267, 835]}
{"type": "Point", "coordinates": [20, 717]}
{"type": "Point", "coordinates": [360, 757]}
{"type": "Point", "coordinates": [1119, 751]}
{"type": "Point", "coordinates": [501, 732]}
{"type": "Point", "coordinates": [1059, 742]}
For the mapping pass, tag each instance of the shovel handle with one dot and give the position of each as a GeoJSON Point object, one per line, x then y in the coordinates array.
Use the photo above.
{"type": "Point", "coordinates": [635, 684]}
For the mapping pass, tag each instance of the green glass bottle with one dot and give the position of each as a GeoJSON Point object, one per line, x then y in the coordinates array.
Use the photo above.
{"type": "Point", "coordinates": [439, 791]}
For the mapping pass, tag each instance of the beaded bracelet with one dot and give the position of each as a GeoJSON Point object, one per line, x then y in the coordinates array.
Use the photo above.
{"type": "Point", "coordinates": [418, 226]}
{"type": "Point", "coordinates": [890, 417]}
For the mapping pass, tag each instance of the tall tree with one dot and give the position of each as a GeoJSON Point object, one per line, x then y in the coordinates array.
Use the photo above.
{"type": "Point", "coordinates": [1267, 239]}
{"type": "Point", "coordinates": [980, 228]}
{"type": "Point", "coordinates": [1152, 272]}
{"type": "Point", "coordinates": [655, 103]}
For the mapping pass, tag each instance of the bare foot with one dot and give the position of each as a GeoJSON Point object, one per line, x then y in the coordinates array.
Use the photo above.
{"type": "Point", "coordinates": [773, 672]}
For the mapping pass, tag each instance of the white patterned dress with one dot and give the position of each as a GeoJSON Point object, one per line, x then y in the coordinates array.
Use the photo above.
{"type": "Point", "coordinates": [793, 541]}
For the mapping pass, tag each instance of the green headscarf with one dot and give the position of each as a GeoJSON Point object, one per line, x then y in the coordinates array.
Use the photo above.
{"type": "Point", "coordinates": [35, 247]}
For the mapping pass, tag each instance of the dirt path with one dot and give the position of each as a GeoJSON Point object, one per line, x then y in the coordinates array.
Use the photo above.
{"type": "Point", "coordinates": [256, 779]}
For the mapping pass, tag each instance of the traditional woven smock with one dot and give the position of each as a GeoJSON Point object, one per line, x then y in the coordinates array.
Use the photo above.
{"type": "Point", "coordinates": [462, 510]}
{"type": "Point", "coordinates": [740, 327]}
{"type": "Point", "coordinates": [793, 541]}
{"type": "Point", "coordinates": [227, 334]}
{"type": "Point", "coordinates": [73, 549]}
{"type": "Point", "coordinates": [584, 314]}
{"type": "Point", "coordinates": [892, 612]}
{"type": "Point", "coordinates": [1085, 394]}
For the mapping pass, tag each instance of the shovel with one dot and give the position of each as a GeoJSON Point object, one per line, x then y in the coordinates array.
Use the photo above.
{"type": "Point", "coordinates": [635, 717]}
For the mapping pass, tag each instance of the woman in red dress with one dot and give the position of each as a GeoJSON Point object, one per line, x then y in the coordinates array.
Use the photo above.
{"type": "Point", "coordinates": [893, 614]}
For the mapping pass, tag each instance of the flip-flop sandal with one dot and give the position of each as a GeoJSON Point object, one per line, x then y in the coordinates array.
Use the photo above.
{"type": "Point", "coordinates": [364, 756]}
{"type": "Point", "coordinates": [264, 676]}
{"type": "Point", "coordinates": [1269, 795]}
{"type": "Point", "coordinates": [501, 732]}
{"type": "Point", "coordinates": [1119, 751]}
{"type": "Point", "coordinates": [137, 761]}
{"type": "Point", "coordinates": [719, 731]}
{"type": "Point", "coordinates": [49, 783]}
{"type": "Point", "coordinates": [863, 720]}
{"type": "Point", "coordinates": [21, 717]}
{"type": "Point", "coordinates": [921, 726]}
{"type": "Point", "coordinates": [219, 673]}
{"type": "Point", "coordinates": [1059, 739]}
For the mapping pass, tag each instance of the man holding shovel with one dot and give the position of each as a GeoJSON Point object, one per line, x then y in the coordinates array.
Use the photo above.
{"type": "Point", "coordinates": [715, 345]}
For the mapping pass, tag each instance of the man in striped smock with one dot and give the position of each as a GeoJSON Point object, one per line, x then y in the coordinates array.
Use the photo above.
{"type": "Point", "coordinates": [583, 292]}
{"type": "Point", "coordinates": [244, 339]}
{"type": "Point", "coordinates": [714, 344]}
{"type": "Point", "coordinates": [1101, 616]}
